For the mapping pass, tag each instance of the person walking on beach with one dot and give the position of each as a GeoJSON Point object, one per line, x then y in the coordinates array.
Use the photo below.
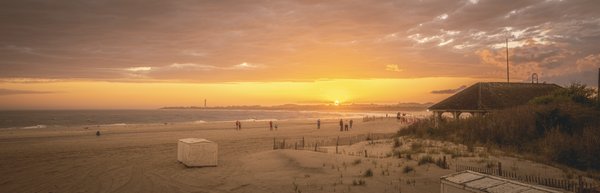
{"type": "Point", "coordinates": [271, 125]}
{"type": "Point", "coordinates": [240, 126]}
{"type": "Point", "coordinates": [346, 127]}
{"type": "Point", "coordinates": [318, 123]}
{"type": "Point", "coordinates": [237, 125]}
{"type": "Point", "coordinates": [351, 123]}
{"type": "Point", "coordinates": [341, 125]}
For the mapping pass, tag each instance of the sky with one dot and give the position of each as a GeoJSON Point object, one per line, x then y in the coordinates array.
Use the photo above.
{"type": "Point", "coordinates": [111, 54]}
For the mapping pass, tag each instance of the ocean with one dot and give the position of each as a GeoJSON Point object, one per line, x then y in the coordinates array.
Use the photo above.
{"type": "Point", "coordinates": [39, 119]}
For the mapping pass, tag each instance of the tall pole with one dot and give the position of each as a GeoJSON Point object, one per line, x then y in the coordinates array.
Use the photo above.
{"type": "Point", "coordinates": [204, 103]}
{"type": "Point", "coordinates": [507, 72]}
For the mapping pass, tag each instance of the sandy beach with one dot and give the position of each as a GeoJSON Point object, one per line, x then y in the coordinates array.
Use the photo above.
{"type": "Point", "coordinates": [142, 158]}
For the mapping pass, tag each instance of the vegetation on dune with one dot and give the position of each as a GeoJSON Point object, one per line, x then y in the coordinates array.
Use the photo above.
{"type": "Point", "coordinates": [368, 173]}
{"type": "Point", "coordinates": [563, 127]}
{"type": "Point", "coordinates": [408, 169]}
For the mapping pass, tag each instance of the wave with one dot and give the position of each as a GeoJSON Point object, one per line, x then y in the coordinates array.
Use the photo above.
{"type": "Point", "coordinates": [35, 127]}
{"type": "Point", "coordinates": [115, 124]}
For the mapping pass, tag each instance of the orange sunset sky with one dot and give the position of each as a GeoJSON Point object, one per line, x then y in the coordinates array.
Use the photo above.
{"type": "Point", "coordinates": [130, 54]}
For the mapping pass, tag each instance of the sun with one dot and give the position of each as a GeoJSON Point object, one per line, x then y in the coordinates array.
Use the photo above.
{"type": "Point", "coordinates": [336, 102]}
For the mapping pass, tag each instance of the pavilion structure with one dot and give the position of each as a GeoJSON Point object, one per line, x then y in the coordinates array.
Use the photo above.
{"type": "Point", "coordinates": [485, 97]}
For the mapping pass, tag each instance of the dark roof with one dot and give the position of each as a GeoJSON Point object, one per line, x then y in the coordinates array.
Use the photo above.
{"type": "Point", "coordinates": [494, 95]}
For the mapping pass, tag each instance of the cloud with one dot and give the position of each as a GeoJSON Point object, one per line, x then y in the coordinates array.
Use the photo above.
{"type": "Point", "coordinates": [245, 65]}
{"type": "Point", "coordinates": [190, 66]}
{"type": "Point", "coordinates": [393, 68]}
{"type": "Point", "coordinates": [442, 17]}
{"type": "Point", "coordinates": [210, 40]}
{"type": "Point", "coordinates": [19, 92]}
{"type": "Point", "coordinates": [139, 69]}
{"type": "Point", "coordinates": [194, 53]}
{"type": "Point", "coordinates": [591, 61]}
{"type": "Point", "coordinates": [449, 91]}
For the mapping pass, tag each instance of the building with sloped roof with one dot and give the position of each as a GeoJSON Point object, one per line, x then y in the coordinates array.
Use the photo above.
{"type": "Point", "coordinates": [483, 97]}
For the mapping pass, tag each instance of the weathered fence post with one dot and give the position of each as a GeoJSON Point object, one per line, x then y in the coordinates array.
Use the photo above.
{"type": "Point", "coordinates": [336, 144]}
{"type": "Point", "coordinates": [580, 184]}
{"type": "Point", "coordinates": [446, 164]}
{"type": "Point", "coordinates": [500, 168]}
{"type": "Point", "coordinates": [366, 155]}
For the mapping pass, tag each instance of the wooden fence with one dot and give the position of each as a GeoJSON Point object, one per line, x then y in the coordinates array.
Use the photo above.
{"type": "Point", "coordinates": [579, 185]}
{"type": "Point", "coordinates": [314, 142]}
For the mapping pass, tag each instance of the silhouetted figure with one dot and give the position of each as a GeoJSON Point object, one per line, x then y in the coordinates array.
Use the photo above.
{"type": "Point", "coordinates": [398, 116]}
{"type": "Point", "coordinates": [318, 123]}
{"type": "Point", "coordinates": [351, 123]}
{"type": "Point", "coordinates": [240, 126]}
{"type": "Point", "coordinates": [276, 126]}
{"type": "Point", "coordinates": [346, 127]}
{"type": "Point", "coordinates": [237, 125]}
{"type": "Point", "coordinates": [271, 125]}
{"type": "Point", "coordinates": [341, 125]}
{"type": "Point", "coordinates": [97, 133]}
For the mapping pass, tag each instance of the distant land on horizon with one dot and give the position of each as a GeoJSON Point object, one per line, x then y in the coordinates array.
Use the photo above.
{"type": "Point", "coordinates": [345, 107]}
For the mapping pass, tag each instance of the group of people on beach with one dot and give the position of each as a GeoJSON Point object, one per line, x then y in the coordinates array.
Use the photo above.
{"type": "Point", "coordinates": [404, 118]}
{"type": "Point", "coordinates": [344, 127]}
{"type": "Point", "coordinates": [273, 125]}
{"type": "Point", "coordinates": [238, 125]}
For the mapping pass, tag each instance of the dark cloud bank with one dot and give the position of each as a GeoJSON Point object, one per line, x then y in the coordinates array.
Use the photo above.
{"type": "Point", "coordinates": [210, 40]}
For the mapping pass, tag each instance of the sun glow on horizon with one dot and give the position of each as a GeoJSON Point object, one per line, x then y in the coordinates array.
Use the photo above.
{"type": "Point", "coordinates": [336, 102]}
{"type": "Point", "coordinates": [136, 95]}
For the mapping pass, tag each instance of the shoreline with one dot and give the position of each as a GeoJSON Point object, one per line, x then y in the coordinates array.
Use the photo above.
{"type": "Point", "coordinates": [325, 116]}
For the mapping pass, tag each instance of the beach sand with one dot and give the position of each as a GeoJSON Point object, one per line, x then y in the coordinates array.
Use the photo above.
{"type": "Point", "coordinates": [143, 158]}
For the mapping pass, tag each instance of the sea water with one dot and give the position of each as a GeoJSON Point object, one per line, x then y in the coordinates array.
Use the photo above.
{"type": "Point", "coordinates": [40, 119]}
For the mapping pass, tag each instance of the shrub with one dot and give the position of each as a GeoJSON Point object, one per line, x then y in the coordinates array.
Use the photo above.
{"type": "Point", "coordinates": [408, 169]}
{"type": "Point", "coordinates": [368, 173]}
{"type": "Point", "coordinates": [359, 182]}
{"type": "Point", "coordinates": [416, 146]}
{"type": "Point", "coordinates": [442, 163]}
{"type": "Point", "coordinates": [576, 92]}
{"type": "Point", "coordinates": [425, 160]}
{"type": "Point", "coordinates": [397, 142]}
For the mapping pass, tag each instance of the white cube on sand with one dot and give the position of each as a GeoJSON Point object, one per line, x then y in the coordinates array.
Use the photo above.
{"type": "Point", "coordinates": [196, 152]}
